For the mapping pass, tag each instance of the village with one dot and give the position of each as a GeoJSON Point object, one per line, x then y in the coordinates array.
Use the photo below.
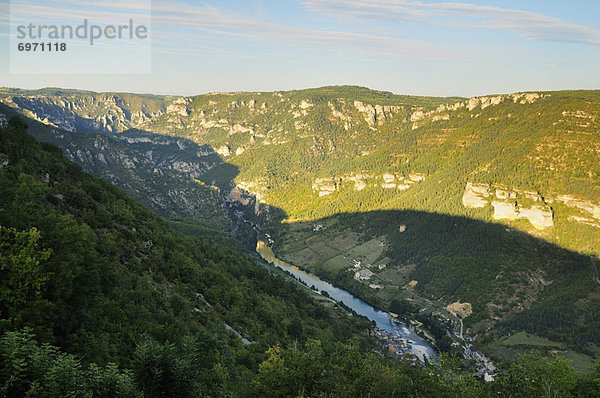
{"type": "Point", "coordinates": [400, 347]}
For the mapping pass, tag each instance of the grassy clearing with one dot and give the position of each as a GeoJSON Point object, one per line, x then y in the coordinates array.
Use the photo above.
{"type": "Point", "coordinates": [396, 276]}
{"type": "Point", "coordinates": [304, 258]}
{"type": "Point", "coordinates": [582, 363]}
{"type": "Point", "coordinates": [369, 251]}
{"type": "Point", "coordinates": [323, 248]}
{"type": "Point", "coordinates": [523, 338]}
{"type": "Point", "coordinates": [522, 342]}
{"type": "Point", "coordinates": [338, 262]}
{"type": "Point", "coordinates": [344, 241]}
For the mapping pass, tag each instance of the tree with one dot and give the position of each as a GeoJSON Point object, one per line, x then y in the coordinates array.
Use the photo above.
{"type": "Point", "coordinates": [21, 273]}
{"type": "Point", "coordinates": [532, 375]}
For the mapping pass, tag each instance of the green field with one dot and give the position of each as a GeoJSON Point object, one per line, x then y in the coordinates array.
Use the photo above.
{"type": "Point", "coordinates": [522, 342]}
{"type": "Point", "coordinates": [522, 338]}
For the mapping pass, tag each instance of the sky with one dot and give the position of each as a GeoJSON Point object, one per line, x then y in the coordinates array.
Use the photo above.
{"type": "Point", "coordinates": [411, 47]}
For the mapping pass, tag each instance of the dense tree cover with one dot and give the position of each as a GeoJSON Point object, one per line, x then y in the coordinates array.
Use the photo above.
{"type": "Point", "coordinates": [100, 298]}
{"type": "Point", "coordinates": [74, 293]}
{"type": "Point", "coordinates": [288, 139]}
{"type": "Point", "coordinates": [547, 145]}
{"type": "Point", "coordinates": [91, 271]}
{"type": "Point", "coordinates": [28, 368]}
{"type": "Point", "coordinates": [152, 169]}
{"type": "Point", "coordinates": [309, 371]}
{"type": "Point", "coordinates": [202, 366]}
{"type": "Point", "coordinates": [458, 258]}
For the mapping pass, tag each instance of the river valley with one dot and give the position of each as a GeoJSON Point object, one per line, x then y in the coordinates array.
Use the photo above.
{"type": "Point", "coordinates": [383, 321]}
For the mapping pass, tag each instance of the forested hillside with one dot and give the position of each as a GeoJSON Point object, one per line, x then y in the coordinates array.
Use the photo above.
{"type": "Point", "coordinates": [89, 270]}
{"type": "Point", "coordinates": [98, 297]}
{"type": "Point", "coordinates": [156, 170]}
{"type": "Point", "coordinates": [398, 181]}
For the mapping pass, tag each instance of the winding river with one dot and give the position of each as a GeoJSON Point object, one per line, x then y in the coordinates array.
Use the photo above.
{"type": "Point", "coordinates": [383, 321]}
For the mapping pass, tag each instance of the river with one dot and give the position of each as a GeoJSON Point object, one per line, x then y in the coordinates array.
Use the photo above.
{"type": "Point", "coordinates": [382, 319]}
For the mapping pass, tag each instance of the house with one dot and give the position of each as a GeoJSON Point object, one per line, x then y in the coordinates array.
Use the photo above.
{"type": "Point", "coordinates": [381, 266]}
{"type": "Point", "coordinates": [363, 274]}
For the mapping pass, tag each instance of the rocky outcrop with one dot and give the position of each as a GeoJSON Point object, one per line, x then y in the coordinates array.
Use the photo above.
{"type": "Point", "coordinates": [224, 151]}
{"type": "Point", "coordinates": [325, 186]}
{"type": "Point", "coordinates": [388, 178]}
{"type": "Point", "coordinates": [88, 112]}
{"type": "Point", "coordinates": [540, 216]}
{"type": "Point", "coordinates": [376, 114]}
{"type": "Point", "coordinates": [580, 204]}
{"type": "Point", "coordinates": [584, 220]}
{"type": "Point", "coordinates": [416, 177]}
{"type": "Point", "coordinates": [442, 112]}
{"type": "Point", "coordinates": [180, 107]}
{"type": "Point", "coordinates": [484, 102]}
{"type": "Point", "coordinates": [476, 195]}
{"type": "Point", "coordinates": [391, 181]}
{"type": "Point", "coordinates": [359, 180]}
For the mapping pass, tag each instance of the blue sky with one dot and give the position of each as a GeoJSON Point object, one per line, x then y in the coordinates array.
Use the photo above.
{"type": "Point", "coordinates": [404, 46]}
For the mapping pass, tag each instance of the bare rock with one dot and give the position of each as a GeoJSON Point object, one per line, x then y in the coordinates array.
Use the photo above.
{"type": "Point", "coordinates": [476, 195]}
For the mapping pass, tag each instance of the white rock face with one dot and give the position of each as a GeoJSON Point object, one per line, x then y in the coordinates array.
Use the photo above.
{"type": "Point", "coordinates": [376, 114]}
{"type": "Point", "coordinates": [473, 103]}
{"type": "Point", "coordinates": [359, 185]}
{"type": "Point", "coordinates": [476, 195]}
{"type": "Point", "coordinates": [238, 128]}
{"type": "Point", "coordinates": [505, 210]}
{"type": "Point", "coordinates": [305, 104]}
{"type": "Point", "coordinates": [584, 220]}
{"type": "Point", "coordinates": [526, 98]}
{"type": "Point", "coordinates": [444, 116]}
{"type": "Point", "coordinates": [324, 186]}
{"type": "Point", "coordinates": [416, 177]}
{"type": "Point", "coordinates": [224, 151]}
{"type": "Point", "coordinates": [416, 116]}
{"type": "Point", "coordinates": [359, 180]}
{"type": "Point", "coordinates": [539, 216]}
{"type": "Point", "coordinates": [388, 178]}
{"type": "Point", "coordinates": [368, 111]}
{"type": "Point", "coordinates": [179, 107]}
{"type": "Point", "coordinates": [587, 206]}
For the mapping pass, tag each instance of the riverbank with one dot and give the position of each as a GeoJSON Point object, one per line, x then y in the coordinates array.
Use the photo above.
{"type": "Point", "coordinates": [419, 348]}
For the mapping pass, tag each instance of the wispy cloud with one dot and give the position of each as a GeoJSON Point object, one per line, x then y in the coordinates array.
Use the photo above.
{"type": "Point", "coordinates": [211, 19]}
{"type": "Point", "coordinates": [219, 24]}
{"type": "Point", "coordinates": [527, 24]}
